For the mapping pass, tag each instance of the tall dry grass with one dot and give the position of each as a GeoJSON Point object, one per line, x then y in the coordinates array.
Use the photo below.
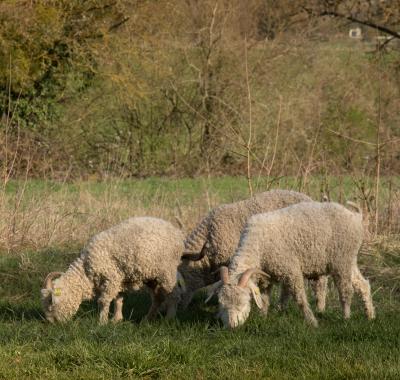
{"type": "Point", "coordinates": [62, 219]}
{"type": "Point", "coordinates": [38, 216]}
{"type": "Point", "coordinates": [48, 218]}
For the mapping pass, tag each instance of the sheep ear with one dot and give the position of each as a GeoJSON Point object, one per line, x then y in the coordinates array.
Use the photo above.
{"type": "Point", "coordinates": [181, 281]}
{"type": "Point", "coordinates": [55, 295]}
{"type": "Point", "coordinates": [255, 291]}
{"type": "Point", "coordinates": [212, 289]}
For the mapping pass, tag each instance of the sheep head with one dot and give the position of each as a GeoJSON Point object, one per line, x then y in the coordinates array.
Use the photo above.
{"type": "Point", "coordinates": [235, 298]}
{"type": "Point", "coordinates": [60, 299]}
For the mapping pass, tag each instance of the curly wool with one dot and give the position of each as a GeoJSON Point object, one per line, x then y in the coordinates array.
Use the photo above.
{"type": "Point", "coordinates": [306, 240]}
{"type": "Point", "coordinates": [139, 252]}
{"type": "Point", "coordinates": [74, 286]}
{"type": "Point", "coordinates": [219, 234]}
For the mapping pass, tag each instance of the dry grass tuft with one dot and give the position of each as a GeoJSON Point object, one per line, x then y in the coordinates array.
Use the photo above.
{"type": "Point", "coordinates": [47, 219]}
{"type": "Point", "coordinates": [380, 260]}
{"type": "Point", "coordinates": [390, 218]}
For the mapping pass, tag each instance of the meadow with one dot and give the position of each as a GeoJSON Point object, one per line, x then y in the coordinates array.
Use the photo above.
{"type": "Point", "coordinates": [111, 109]}
{"type": "Point", "coordinates": [44, 224]}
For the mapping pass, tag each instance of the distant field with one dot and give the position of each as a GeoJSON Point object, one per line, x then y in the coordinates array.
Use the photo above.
{"type": "Point", "coordinates": [151, 193]}
{"type": "Point", "coordinates": [227, 188]}
{"type": "Point", "coordinates": [41, 214]}
{"type": "Point", "coordinates": [42, 228]}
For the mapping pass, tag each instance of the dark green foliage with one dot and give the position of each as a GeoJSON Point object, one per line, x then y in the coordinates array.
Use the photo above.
{"type": "Point", "coordinates": [143, 88]}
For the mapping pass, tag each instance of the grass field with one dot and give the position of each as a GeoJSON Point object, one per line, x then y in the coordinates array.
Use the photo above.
{"type": "Point", "coordinates": [43, 227]}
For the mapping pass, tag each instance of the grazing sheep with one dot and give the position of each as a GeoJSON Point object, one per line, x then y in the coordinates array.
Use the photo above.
{"type": "Point", "coordinates": [218, 234]}
{"type": "Point", "coordinates": [305, 240]}
{"type": "Point", "coordinates": [139, 252]}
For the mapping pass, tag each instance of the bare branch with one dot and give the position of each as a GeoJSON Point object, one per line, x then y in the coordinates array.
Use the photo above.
{"type": "Point", "coordinates": [368, 23]}
{"type": "Point", "coordinates": [350, 138]}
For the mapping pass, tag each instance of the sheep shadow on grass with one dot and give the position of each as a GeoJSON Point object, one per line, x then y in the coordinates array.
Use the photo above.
{"type": "Point", "coordinates": [10, 312]}
{"type": "Point", "coordinates": [136, 306]}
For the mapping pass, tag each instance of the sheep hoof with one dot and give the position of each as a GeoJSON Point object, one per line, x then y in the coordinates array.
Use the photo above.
{"type": "Point", "coordinates": [371, 315]}
{"type": "Point", "coordinates": [103, 321]}
{"type": "Point", "coordinates": [321, 308]}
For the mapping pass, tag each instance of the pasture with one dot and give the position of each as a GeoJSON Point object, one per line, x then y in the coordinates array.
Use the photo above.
{"type": "Point", "coordinates": [44, 224]}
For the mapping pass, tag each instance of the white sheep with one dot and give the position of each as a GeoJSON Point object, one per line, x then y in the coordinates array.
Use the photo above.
{"type": "Point", "coordinates": [305, 240]}
{"type": "Point", "coordinates": [213, 242]}
{"type": "Point", "coordinates": [140, 252]}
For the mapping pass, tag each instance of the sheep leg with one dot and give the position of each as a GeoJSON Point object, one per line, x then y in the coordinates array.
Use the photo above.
{"type": "Point", "coordinates": [104, 305]}
{"type": "Point", "coordinates": [118, 303]}
{"type": "Point", "coordinates": [110, 292]}
{"type": "Point", "coordinates": [320, 287]}
{"type": "Point", "coordinates": [345, 289]}
{"type": "Point", "coordinates": [266, 296]}
{"type": "Point", "coordinates": [296, 286]}
{"type": "Point", "coordinates": [284, 297]}
{"type": "Point", "coordinates": [186, 299]}
{"type": "Point", "coordinates": [361, 286]}
{"type": "Point", "coordinates": [157, 298]}
{"type": "Point", "coordinates": [171, 294]}
{"type": "Point", "coordinates": [172, 305]}
{"type": "Point", "coordinates": [169, 305]}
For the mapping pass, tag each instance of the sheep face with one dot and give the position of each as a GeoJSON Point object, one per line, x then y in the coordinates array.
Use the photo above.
{"type": "Point", "coordinates": [59, 301]}
{"type": "Point", "coordinates": [234, 305]}
{"type": "Point", "coordinates": [234, 296]}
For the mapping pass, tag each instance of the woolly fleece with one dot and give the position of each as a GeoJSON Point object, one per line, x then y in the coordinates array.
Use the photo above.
{"type": "Point", "coordinates": [220, 232]}
{"type": "Point", "coordinates": [139, 252]}
{"type": "Point", "coordinates": [304, 240]}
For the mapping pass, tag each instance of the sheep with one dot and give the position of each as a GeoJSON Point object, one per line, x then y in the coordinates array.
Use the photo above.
{"type": "Point", "coordinates": [305, 240]}
{"type": "Point", "coordinates": [141, 252]}
{"type": "Point", "coordinates": [218, 234]}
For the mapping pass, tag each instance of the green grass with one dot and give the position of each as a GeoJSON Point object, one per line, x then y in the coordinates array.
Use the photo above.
{"type": "Point", "coordinates": [225, 188]}
{"type": "Point", "coordinates": [280, 346]}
